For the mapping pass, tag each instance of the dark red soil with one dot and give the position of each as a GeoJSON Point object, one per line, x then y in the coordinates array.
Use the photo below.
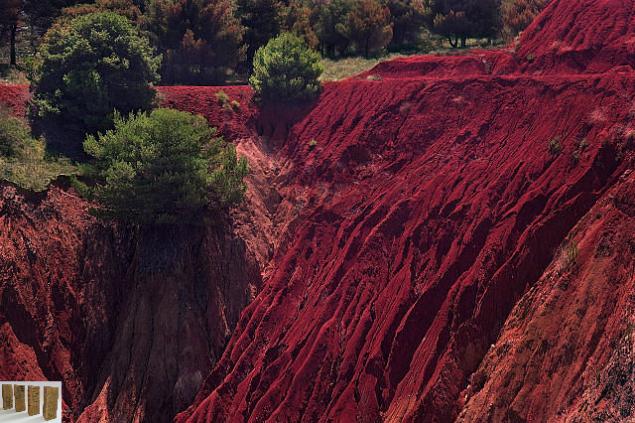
{"type": "Point", "coordinates": [442, 237]}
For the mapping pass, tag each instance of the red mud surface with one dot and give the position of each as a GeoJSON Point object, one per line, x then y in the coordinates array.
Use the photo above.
{"type": "Point", "coordinates": [430, 258]}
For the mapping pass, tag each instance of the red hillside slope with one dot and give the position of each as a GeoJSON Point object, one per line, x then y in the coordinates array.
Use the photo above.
{"type": "Point", "coordinates": [428, 208]}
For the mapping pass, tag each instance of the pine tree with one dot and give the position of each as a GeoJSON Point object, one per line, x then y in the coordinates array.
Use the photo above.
{"type": "Point", "coordinates": [262, 22]}
{"type": "Point", "coordinates": [329, 23]}
{"type": "Point", "coordinates": [11, 12]}
{"type": "Point", "coordinates": [409, 18]}
{"type": "Point", "coordinates": [164, 167]}
{"type": "Point", "coordinates": [286, 69]}
{"type": "Point", "coordinates": [296, 18]}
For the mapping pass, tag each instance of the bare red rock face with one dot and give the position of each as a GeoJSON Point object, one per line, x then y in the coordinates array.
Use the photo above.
{"type": "Point", "coordinates": [448, 239]}
{"type": "Point", "coordinates": [130, 322]}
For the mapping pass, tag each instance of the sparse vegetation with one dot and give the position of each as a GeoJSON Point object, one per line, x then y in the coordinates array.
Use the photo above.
{"type": "Point", "coordinates": [555, 146]}
{"type": "Point", "coordinates": [286, 70]}
{"type": "Point", "coordinates": [223, 99]}
{"type": "Point", "coordinates": [571, 254]}
{"type": "Point", "coordinates": [23, 159]}
{"type": "Point", "coordinates": [164, 167]}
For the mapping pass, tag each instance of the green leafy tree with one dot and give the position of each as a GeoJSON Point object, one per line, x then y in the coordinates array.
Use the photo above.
{"type": "Point", "coordinates": [201, 40]}
{"type": "Point", "coordinates": [262, 22]}
{"type": "Point", "coordinates": [91, 66]}
{"type": "Point", "coordinates": [368, 26]}
{"type": "Point", "coordinates": [409, 19]}
{"type": "Point", "coordinates": [125, 8]}
{"type": "Point", "coordinates": [329, 22]}
{"type": "Point", "coordinates": [516, 15]}
{"type": "Point", "coordinates": [164, 167]}
{"type": "Point", "coordinates": [459, 20]}
{"type": "Point", "coordinates": [286, 70]}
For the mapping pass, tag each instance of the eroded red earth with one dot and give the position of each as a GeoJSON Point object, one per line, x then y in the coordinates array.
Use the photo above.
{"type": "Point", "coordinates": [442, 238]}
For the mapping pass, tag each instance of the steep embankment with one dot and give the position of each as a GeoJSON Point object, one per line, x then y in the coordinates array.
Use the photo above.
{"type": "Point", "coordinates": [130, 322]}
{"type": "Point", "coordinates": [428, 208]}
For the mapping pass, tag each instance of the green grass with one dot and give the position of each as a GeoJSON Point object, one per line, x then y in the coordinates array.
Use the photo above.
{"type": "Point", "coordinates": [336, 70]}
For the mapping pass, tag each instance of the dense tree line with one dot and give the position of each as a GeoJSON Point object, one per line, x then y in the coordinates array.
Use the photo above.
{"type": "Point", "coordinates": [206, 41]}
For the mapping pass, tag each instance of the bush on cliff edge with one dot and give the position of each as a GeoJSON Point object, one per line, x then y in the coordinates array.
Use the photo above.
{"type": "Point", "coordinates": [286, 69]}
{"type": "Point", "coordinates": [164, 167]}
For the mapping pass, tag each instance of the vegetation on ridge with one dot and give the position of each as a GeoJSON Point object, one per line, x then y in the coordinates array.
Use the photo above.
{"type": "Point", "coordinates": [164, 167]}
{"type": "Point", "coordinates": [23, 159]}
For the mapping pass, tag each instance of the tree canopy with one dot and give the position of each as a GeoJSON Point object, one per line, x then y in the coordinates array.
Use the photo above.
{"type": "Point", "coordinates": [201, 40]}
{"type": "Point", "coordinates": [91, 66]}
{"type": "Point", "coordinates": [164, 167]}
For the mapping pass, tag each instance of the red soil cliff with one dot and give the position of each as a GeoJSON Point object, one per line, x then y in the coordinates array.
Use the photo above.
{"type": "Point", "coordinates": [130, 322]}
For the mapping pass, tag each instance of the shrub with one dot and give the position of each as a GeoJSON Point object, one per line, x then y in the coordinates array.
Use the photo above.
{"type": "Point", "coordinates": [14, 135]}
{"type": "Point", "coordinates": [287, 70]}
{"type": "Point", "coordinates": [555, 146]}
{"type": "Point", "coordinates": [571, 254]}
{"type": "Point", "coordinates": [90, 66]}
{"type": "Point", "coordinates": [223, 99]}
{"type": "Point", "coordinates": [23, 159]}
{"type": "Point", "coordinates": [164, 167]}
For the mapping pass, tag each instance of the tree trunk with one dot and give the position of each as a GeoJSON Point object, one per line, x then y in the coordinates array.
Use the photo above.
{"type": "Point", "coordinates": [454, 43]}
{"type": "Point", "coordinates": [463, 41]}
{"type": "Point", "coordinates": [14, 31]}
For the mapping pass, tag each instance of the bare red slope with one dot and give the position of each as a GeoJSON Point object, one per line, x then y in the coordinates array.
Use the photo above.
{"type": "Point", "coordinates": [566, 351]}
{"type": "Point", "coordinates": [428, 207]}
{"type": "Point", "coordinates": [589, 36]}
{"type": "Point", "coordinates": [397, 221]}
{"type": "Point", "coordinates": [130, 322]}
